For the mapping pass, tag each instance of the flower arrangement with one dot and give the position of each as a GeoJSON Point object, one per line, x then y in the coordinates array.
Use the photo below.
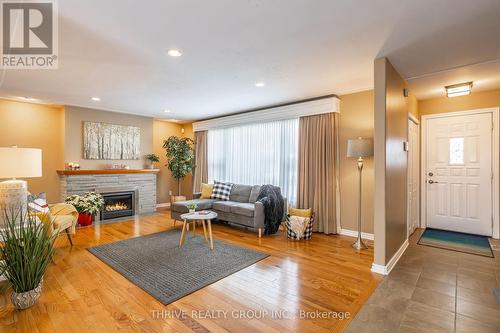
{"type": "Point", "coordinates": [88, 203]}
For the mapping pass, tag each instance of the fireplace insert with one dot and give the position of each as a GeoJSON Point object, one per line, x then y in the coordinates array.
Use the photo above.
{"type": "Point", "coordinates": [118, 204]}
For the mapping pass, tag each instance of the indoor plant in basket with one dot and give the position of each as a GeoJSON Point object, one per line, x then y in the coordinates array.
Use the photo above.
{"type": "Point", "coordinates": [27, 250]}
{"type": "Point", "coordinates": [87, 205]}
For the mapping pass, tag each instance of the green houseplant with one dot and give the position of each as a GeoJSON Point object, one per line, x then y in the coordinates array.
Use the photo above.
{"type": "Point", "coordinates": [180, 157]}
{"type": "Point", "coordinates": [87, 205]}
{"type": "Point", "coordinates": [152, 159]}
{"type": "Point", "coordinates": [192, 207]}
{"type": "Point", "coordinates": [27, 249]}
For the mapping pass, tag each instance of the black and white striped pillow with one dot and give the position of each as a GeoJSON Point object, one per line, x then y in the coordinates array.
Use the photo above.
{"type": "Point", "coordinates": [221, 191]}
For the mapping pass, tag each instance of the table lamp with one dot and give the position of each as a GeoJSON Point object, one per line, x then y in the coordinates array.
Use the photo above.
{"type": "Point", "coordinates": [359, 148]}
{"type": "Point", "coordinates": [18, 163]}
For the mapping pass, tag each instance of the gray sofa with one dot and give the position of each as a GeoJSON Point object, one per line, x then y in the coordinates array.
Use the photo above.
{"type": "Point", "coordinates": [241, 209]}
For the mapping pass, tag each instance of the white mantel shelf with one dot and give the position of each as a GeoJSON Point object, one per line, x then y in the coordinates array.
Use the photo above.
{"type": "Point", "coordinates": [106, 171]}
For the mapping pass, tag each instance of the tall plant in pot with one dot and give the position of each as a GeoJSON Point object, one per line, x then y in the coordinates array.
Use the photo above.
{"type": "Point", "coordinates": [180, 157]}
{"type": "Point", "coordinates": [27, 249]}
{"type": "Point", "coordinates": [88, 205]}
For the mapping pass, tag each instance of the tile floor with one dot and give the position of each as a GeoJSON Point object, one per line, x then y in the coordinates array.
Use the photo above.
{"type": "Point", "coordinates": [434, 290]}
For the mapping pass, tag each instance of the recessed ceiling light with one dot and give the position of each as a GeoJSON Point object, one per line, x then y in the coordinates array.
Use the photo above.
{"type": "Point", "coordinates": [259, 84]}
{"type": "Point", "coordinates": [174, 53]}
{"type": "Point", "coordinates": [167, 111]}
{"type": "Point", "coordinates": [31, 99]}
{"type": "Point", "coordinates": [460, 89]}
{"type": "Point", "coordinates": [96, 99]}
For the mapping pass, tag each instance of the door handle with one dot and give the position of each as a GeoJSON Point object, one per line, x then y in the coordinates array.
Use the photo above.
{"type": "Point", "coordinates": [432, 182]}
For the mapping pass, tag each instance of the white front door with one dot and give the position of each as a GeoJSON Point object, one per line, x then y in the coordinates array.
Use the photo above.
{"type": "Point", "coordinates": [459, 173]}
{"type": "Point", "coordinates": [413, 177]}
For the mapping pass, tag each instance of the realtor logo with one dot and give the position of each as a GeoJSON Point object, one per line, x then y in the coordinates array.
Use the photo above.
{"type": "Point", "coordinates": [29, 35]}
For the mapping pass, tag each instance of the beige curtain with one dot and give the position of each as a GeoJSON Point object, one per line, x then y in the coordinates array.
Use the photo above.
{"type": "Point", "coordinates": [317, 169]}
{"type": "Point", "coordinates": [200, 159]}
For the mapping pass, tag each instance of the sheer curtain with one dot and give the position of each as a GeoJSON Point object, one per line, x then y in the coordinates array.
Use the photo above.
{"type": "Point", "coordinates": [256, 154]}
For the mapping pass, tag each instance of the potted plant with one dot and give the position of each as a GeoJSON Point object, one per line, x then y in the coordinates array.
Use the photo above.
{"type": "Point", "coordinates": [192, 207]}
{"type": "Point", "coordinates": [180, 159]}
{"type": "Point", "coordinates": [88, 205]}
{"type": "Point", "coordinates": [152, 159]}
{"type": "Point", "coordinates": [27, 250]}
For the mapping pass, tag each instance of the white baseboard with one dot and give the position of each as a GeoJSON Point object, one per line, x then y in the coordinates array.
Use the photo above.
{"type": "Point", "coordinates": [385, 270]}
{"type": "Point", "coordinates": [352, 233]}
{"type": "Point", "coordinates": [163, 205]}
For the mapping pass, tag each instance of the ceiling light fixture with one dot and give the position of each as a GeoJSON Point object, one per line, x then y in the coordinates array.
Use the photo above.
{"type": "Point", "coordinates": [174, 53]}
{"type": "Point", "coordinates": [96, 99]}
{"type": "Point", "coordinates": [460, 89]}
{"type": "Point", "coordinates": [260, 84]}
{"type": "Point", "coordinates": [31, 99]}
{"type": "Point", "coordinates": [167, 111]}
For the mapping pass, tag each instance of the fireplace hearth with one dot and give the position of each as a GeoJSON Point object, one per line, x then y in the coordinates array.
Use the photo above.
{"type": "Point", "coordinates": [118, 204]}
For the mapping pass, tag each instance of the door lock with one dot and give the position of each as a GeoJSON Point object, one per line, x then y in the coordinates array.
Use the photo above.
{"type": "Point", "coordinates": [431, 174]}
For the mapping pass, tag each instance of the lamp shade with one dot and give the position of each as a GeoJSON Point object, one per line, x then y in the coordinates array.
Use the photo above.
{"type": "Point", "coordinates": [359, 147]}
{"type": "Point", "coordinates": [20, 162]}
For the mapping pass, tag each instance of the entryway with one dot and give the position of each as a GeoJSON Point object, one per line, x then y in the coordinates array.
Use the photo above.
{"type": "Point", "coordinates": [459, 171]}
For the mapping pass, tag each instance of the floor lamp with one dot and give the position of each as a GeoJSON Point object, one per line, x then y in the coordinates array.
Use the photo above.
{"type": "Point", "coordinates": [359, 148]}
{"type": "Point", "coordinates": [17, 163]}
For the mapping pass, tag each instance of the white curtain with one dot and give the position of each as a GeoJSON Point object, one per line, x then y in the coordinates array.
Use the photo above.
{"type": "Point", "coordinates": [256, 154]}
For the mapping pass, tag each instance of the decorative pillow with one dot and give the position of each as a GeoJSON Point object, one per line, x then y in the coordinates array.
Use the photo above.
{"type": "Point", "coordinates": [300, 212]}
{"type": "Point", "coordinates": [38, 203]}
{"type": "Point", "coordinates": [206, 190]}
{"type": "Point", "coordinates": [221, 191]}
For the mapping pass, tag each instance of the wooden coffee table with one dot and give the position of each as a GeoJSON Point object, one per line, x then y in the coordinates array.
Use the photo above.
{"type": "Point", "coordinates": [205, 220]}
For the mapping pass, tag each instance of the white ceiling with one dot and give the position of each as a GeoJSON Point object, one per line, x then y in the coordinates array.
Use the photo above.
{"type": "Point", "coordinates": [117, 50]}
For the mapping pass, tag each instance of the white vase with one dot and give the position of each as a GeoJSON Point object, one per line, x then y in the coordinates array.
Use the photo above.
{"type": "Point", "coordinates": [191, 211]}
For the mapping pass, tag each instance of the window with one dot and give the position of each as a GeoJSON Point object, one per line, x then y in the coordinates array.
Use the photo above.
{"type": "Point", "coordinates": [256, 154]}
{"type": "Point", "coordinates": [456, 151]}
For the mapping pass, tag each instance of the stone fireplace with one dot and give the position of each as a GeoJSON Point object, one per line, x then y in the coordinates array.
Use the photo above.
{"type": "Point", "coordinates": [126, 192]}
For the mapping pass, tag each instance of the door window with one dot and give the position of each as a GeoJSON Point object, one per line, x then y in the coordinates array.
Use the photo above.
{"type": "Point", "coordinates": [456, 151]}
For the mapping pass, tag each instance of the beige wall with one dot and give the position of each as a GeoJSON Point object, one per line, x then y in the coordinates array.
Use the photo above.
{"type": "Point", "coordinates": [413, 105]}
{"type": "Point", "coordinates": [58, 132]}
{"type": "Point", "coordinates": [36, 126]}
{"type": "Point", "coordinates": [391, 130]}
{"type": "Point", "coordinates": [161, 131]}
{"type": "Point", "coordinates": [476, 100]}
{"type": "Point", "coordinates": [75, 116]}
{"type": "Point", "coordinates": [356, 119]}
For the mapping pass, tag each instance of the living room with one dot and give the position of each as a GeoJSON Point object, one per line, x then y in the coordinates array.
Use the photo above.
{"type": "Point", "coordinates": [176, 178]}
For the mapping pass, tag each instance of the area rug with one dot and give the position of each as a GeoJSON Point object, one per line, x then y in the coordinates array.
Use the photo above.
{"type": "Point", "coordinates": [156, 264]}
{"type": "Point", "coordinates": [456, 241]}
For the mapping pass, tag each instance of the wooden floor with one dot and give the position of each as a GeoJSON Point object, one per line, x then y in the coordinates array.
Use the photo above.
{"type": "Point", "coordinates": [82, 294]}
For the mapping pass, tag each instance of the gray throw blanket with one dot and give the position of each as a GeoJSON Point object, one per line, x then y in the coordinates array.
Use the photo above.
{"type": "Point", "coordinates": [273, 202]}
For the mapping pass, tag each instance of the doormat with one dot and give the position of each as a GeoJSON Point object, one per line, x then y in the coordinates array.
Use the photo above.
{"type": "Point", "coordinates": [457, 241]}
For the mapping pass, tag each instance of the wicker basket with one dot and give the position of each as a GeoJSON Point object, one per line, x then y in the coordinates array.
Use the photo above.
{"type": "Point", "coordinates": [290, 234]}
